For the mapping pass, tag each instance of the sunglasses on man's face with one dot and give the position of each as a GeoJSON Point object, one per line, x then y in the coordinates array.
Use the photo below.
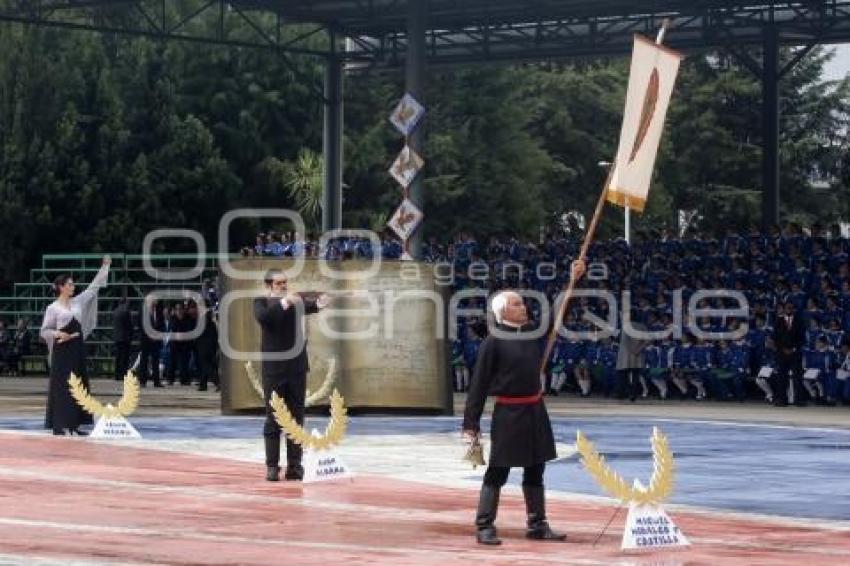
{"type": "Point", "coordinates": [279, 283]}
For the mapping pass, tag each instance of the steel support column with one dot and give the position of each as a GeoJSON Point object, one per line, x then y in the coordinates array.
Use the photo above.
{"type": "Point", "coordinates": [417, 18]}
{"type": "Point", "coordinates": [332, 195]}
{"type": "Point", "coordinates": [770, 128]}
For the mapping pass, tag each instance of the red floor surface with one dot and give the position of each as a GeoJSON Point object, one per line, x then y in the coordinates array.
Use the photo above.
{"type": "Point", "coordinates": [66, 498]}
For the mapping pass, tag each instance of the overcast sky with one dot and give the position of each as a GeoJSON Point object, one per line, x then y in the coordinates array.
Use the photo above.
{"type": "Point", "coordinates": [840, 66]}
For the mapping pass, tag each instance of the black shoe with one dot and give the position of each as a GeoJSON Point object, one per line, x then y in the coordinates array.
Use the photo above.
{"type": "Point", "coordinates": [488, 536]}
{"type": "Point", "coordinates": [294, 472]}
{"type": "Point", "coordinates": [157, 384]}
{"type": "Point", "coordinates": [538, 526]}
{"type": "Point", "coordinates": [78, 432]}
{"type": "Point", "coordinates": [485, 517]}
{"type": "Point", "coordinates": [58, 432]}
{"type": "Point", "coordinates": [202, 388]}
{"type": "Point", "coordinates": [273, 473]}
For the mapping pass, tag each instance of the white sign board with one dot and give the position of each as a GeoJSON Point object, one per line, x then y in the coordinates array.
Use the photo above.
{"type": "Point", "coordinates": [649, 527]}
{"type": "Point", "coordinates": [114, 428]}
{"type": "Point", "coordinates": [324, 465]}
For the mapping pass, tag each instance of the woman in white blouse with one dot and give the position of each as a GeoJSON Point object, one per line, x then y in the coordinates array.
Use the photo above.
{"type": "Point", "coordinates": [67, 322]}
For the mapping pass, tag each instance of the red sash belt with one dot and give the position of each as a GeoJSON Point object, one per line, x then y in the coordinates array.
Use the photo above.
{"type": "Point", "coordinates": [529, 400]}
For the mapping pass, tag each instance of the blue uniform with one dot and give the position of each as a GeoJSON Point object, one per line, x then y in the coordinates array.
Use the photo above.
{"type": "Point", "coordinates": [470, 352]}
{"type": "Point", "coordinates": [457, 353]}
{"type": "Point", "coordinates": [558, 360]}
{"type": "Point", "coordinates": [682, 356]}
{"type": "Point", "coordinates": [655, 361]}
{"type": "Point", "coordinates": [591, 353]}
{"type": "Point", "coordinates": [607, 359]}
{"type": "Point", "coordinates": [825, 362]}
{"type": "Point", "coordinates": [573, 353]}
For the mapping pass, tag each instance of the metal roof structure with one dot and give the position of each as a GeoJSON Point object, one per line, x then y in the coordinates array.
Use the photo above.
{"type": "Point", "coordinates": [457, 31]}
{"type": "Point", "coordinates": [414, 33]}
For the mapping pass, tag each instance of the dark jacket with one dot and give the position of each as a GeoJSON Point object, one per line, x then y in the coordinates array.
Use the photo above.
{"type": "Point", "coordinates": [208, 340]}
{"type": "Point", "coordinates": [280, 331]}
{"type": "Point", "coordinates": [122, 324]}
{"type": "Point", "coordinates": [157, 323]}
{"type": "Point", "coordinates": [789, 337]}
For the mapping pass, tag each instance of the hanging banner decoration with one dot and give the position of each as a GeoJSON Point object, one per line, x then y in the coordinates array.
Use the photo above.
{"type": "Point", "coordinates": [406, 166]}
{"type": "Point", "coordinates": [651, 80]}
{"type": "Point", "coordinates": [407, 114]}
{"type": "Point", "coordinates": [405, 219]}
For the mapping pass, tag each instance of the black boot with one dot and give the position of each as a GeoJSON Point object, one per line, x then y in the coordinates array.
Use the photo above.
{"type": "Point", "coordinates": [488, 505]}
{"type": "Point", "coordinates": [294, 472]}
{"type": "Point", "coordinates": [535, 505]}
{"type": "Point", "coordinates": [272, 457]}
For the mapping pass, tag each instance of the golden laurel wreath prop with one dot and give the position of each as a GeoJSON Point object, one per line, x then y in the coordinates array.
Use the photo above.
{"type": "Point", "coordinates": [126, 405]}
{"type": "Point", "coordinates": [334, 432]}
{"type": "Point", "coordinates": [312, 398]}
{"type": "Point", "coordinates": [660, 486]}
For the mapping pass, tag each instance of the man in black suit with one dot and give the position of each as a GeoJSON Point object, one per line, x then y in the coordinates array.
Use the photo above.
{"type": "Point", "coordinates": [122, 336]}
{"type": "Point", "coordinates": [149, 364]}
{"type": "Point", "coordinates": [280, 315]}
{"type": "Point", "coordinates": [789, 335]}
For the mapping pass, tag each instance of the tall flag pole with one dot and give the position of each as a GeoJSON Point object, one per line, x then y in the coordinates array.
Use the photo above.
{"type": "Point", "coordinates": [651, 80]}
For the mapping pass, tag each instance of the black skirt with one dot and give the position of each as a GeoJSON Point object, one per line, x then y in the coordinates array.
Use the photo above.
{"type": "Point", "coordinates": [521, 435]}
{"type": "Point", "coordinates": [63, 412]}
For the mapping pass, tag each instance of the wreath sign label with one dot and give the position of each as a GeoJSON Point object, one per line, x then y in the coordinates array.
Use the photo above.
{"type": "Point", "coordinates": [647, 525]}
{"type": "Point", "coordinates": [112, 420]}
{"type": "Point", "coordinates": [324, 465]}
{"type": "Point", "coordinates": [321, 461]}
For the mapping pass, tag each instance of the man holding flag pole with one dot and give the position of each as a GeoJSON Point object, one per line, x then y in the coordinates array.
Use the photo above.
{"type": "Point", "coordinates": [509, 363]}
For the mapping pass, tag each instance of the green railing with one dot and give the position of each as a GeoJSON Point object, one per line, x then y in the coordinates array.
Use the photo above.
{"type": "Point", "coordinates": [127, 274]}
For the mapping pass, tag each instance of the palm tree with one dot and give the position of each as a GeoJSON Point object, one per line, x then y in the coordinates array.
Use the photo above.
{"type": "Point", "coordinates": [303, 179]}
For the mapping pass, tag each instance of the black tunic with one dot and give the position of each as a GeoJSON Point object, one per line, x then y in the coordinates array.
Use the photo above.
{"type": "Point", "coordinates": [63, 412]}
{"type": "Point", "coordinates": [521, 435]}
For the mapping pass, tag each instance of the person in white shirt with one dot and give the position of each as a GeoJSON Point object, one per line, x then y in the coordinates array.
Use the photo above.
{"type": "Point", "coordinates": [67, 322]}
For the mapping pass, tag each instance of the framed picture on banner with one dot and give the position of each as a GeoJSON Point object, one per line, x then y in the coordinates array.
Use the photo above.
{"type": "Point", "coordinates": [407, 114]}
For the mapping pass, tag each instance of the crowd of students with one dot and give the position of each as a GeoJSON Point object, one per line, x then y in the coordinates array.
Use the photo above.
{"type": "Point", "coordinates": [802, 272]}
